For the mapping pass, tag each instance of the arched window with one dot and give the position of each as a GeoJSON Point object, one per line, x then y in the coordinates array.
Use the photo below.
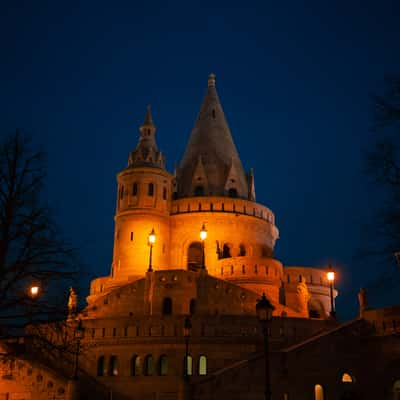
{"type": "Point", "coordinates": [242, 250]}
{"type": "Point", "coordinates": [163, 365]}
{"type": "Point", "coordinates": [188, 365]}
{"type": "Point", "coordinates": [136, 366]}
{"type": "Point", "coordinates": [226, 251]}
{"type": "Point", "coordinates": [148, 365]}
{"type": "Point", "coordinates": [167, 306]}
{"type": "Point", "coordinates": [192, 306]}
{"type": "Point", "coordinates": [199, 191]}
{"type": "Point", "coordinates": [319, 392]}
{"type": "Point", "coordinates": [194, 258]}
{"type": "Point", "coordinates": [347, 378]}
{"type": "Point", "coordinates": [203, 365]}
{"type": "Point", "coordinates": [150, 189]}
{"type": "Point", "coordinates": [135, 189]}
{"type": "Point", "coordinates": [100, 366]}
{"type": "Point", "coordinates": [232, 192]}
{"type": "Point", "coordinates": [113, 366]}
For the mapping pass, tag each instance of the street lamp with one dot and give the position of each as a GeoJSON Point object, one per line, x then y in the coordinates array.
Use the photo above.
{"type": "Point", "coordinates": [203, 237]}
{"type": "Point", "coordinates": [33, 292]}
{"type": "Point", "coordinates": [78, 335]}
{"type": "Point", "coordinates": [152, 240]}
{"type": "Point", "coordinates": [187, 332]}
{"type": "Point", "coordinates": [264, 311]}
{"type": "Point", "coordinates": [331, 279]}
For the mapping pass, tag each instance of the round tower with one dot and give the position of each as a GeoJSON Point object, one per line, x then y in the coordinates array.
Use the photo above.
{"type": "Point", "coordinates": [143, 202]}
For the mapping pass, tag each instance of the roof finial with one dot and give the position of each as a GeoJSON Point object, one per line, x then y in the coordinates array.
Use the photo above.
{"type": "Point", "coordinates": [211, 80]}
{"type": "Point", "coordinates": [148, 120]}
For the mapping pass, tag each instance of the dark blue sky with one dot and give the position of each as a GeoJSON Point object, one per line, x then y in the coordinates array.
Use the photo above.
{"type": "Point", "coordinates": [294, 79]}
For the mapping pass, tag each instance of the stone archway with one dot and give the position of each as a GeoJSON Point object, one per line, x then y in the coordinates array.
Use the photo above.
{"type": "Point", "coordinates": [194, 256]}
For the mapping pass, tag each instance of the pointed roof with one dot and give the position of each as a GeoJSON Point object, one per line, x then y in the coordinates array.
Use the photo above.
{"type": "Point", "coordinates": [146, 152]}
{"type": "Point", "coordinates": [212, 142]}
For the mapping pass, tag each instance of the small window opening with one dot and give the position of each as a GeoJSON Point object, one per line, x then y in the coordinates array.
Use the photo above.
{"type": "Point", "coordinates": [213, 113]}
{"type": "Point", "coordinates": [192, 306]}
{"type": "Point", "coordinates": [232, 192]}
{"type": "Point", "coordinates": [150, 190]}
{"type": "Point", "coordinates": [203, 365]}
{"type": "Point", "coordinates": [135, 189]}
{"type": "Point", "coordinates": [100, 366]}
{"type": "Point", "coordinates": [199, 190]}
{"type": "Point", "coordinates": [164, 194]}
{"type": "Point", "coordinates": [121, 193]}
{"type": "Point", "coordinates": [167, 306]}
{"type": "Point", "coordinates": [242, 250]}
{"type": "Point", "coordinates": [163, 365]}
{"type": "Point", "coordinates": [211, 206]}
{"type": "Point", "coordinates": [131, 236]}
{"type": "Point", "coordinates": [148, 365]}
{"type": "Point", "coordinates": [199, 206]}
{"type": "Point", "coordinates": [113, 366]}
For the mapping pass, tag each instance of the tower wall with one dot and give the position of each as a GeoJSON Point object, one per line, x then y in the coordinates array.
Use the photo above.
{"type": "Point", "coordinates": [139, 210]}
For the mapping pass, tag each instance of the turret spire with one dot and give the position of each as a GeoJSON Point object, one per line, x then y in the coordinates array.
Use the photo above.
{"type": "Point", "coordinates": [147, 153]}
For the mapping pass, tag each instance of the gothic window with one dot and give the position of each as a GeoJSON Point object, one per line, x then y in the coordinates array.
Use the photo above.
{"type": "Point", "coordinates": [319, 392]}
{"type": "Point", "coordinates": [188, 365]}
{"type": "Point", "coordinates": [194, 257]}
{"type": "Point", "coordinates": [148, 365]}
{"type": "Point", "coordinates": [232, 192]}
{"type": "Point", "coordinates": [242, 250]}
{"type": "Point", "coordinates": [203, 365]}
{"type": "Point", "coordinates": [113, 366]}
{"type": "Point", "coordinates": [192, 306]}
{"type": "Point", "coordinates": [136, 366]}
{"type": "Point", "coordinates": [163, 365]}
{"type": "Point", "coordinates": [167, 306]}
{"type": "Point", "coordinates": [199, 191]}
{"type": "Point", "coordinates": [100, 366]}
{"type": "Point", "coordinates": [135, 189]}
{"type": "Point", "coordinates": [164, 194]}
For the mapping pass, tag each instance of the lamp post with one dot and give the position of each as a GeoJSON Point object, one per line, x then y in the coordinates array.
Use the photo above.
{"type": "Point", "coordinates": [264, 311]}
{"type": "Point", "coordinates": [187, 332]}
{"type": "Point", "coordinates": [78, 335]}
{"type": "Point", "coordinates": [203, 237]}
{"type": "Point", "coordinates": [151, 240]}
{"type": "Point", "coordinates": [33, 290]}
{"type": "Point", "coordinates": [331, 279]}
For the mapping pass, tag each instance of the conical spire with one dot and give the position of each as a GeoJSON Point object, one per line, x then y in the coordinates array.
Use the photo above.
{"type": "Point", "coordinates": [212, 142]}
{"type": "Point", "coordinates": [146, 152]}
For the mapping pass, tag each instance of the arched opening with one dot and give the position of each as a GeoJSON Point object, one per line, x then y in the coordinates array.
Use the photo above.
{"type": "Point", "coordinates": [188, 365]}
{"type": "Point", "coordinates": [163, 365]}
{"type": "Point", "coordinates": [167, 306]}
{"type": "Point", "coordinates": [226, 251]}
{"type": "Point", "coordinates": [199, 190]}
{"type": "Point", "coordinates": [396, 390]}
{"type": "Point", "coordinates": [319, 392]}
{"type": "Point", "coordinates": [100, 366]}
{"type": "Point", "coordinates": [232, 192]}
{"type": "Point", "coordinates": [203, 365]}
{"type": "Point", "coordinates": [148, 365]}
{"type": "Point", "coordinates": [347, 378]}
{"type": "Point", "coordinates": [135, 189]}
{"type": "Point", "coordinates": [195, 254]}
{"type": "Point", "coordinates": [192, 306]}
{"type": "Point", "coordinates": [242, 250]}
{"type": "Point", "coordinates": [113, 366]}
{"type": "Point", "coordinates": [136, 366]}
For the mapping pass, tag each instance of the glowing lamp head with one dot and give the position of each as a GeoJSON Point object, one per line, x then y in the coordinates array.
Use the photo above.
{"type": "Point", "coordinates": [34, 290]}
{"type": "Point", "coordinates": [152, 237]}
{"type": "Point", "coordinates": [203, 232]}
{"type": "Point", "coordinates": [331, 276]}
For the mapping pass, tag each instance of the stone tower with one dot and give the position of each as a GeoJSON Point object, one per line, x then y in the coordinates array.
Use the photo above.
{"type": "Point", "coordinates": [143, 202]}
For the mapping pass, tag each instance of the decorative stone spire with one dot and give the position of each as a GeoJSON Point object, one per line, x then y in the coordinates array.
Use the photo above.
{"type": "Point", "coordinates": [146, 152]}
{"type": "Point", "coordinates": [211, 141]}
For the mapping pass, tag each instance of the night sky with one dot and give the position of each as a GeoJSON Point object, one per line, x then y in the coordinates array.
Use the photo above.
{"type": "Point", "coordinates": [294, 79]}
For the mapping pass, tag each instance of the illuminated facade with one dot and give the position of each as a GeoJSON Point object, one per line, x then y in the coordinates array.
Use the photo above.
{"type": "Point", "coordinates": [137, 344]}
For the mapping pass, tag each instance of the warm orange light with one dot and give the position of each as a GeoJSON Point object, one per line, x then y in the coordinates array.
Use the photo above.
{"type": "Point", "coordinates": [152, 237]}
{"type": "Point", "coordinates": [34, 290]}
{"type": "Point", "coordinates": [331, 276]}
{"type": "Point", "coordinates": [203, 233]}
